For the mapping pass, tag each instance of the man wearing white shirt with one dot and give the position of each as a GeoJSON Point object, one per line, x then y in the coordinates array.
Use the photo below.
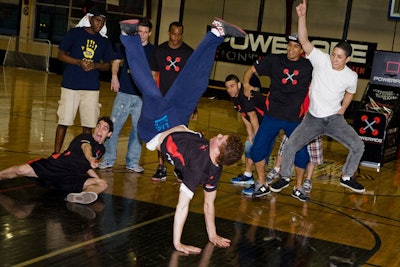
{"type": "Point", "coordinates": [332, 88]}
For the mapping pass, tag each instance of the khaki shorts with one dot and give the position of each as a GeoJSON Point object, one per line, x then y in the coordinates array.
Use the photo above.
{"type": "Point", "coordinates": [88, 103]}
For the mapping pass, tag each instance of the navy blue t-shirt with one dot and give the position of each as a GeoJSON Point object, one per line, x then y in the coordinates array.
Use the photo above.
{"type": "Point", "coordinates": [127, 85]}
{"type": "Point", "coordinates": [78, 43]}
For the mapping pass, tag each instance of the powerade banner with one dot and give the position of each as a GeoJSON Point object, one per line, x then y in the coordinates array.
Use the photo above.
{"type": "Point", "coordinates": [386, 69]}
{"type": "Point", "coordinates": [381, 143]}
{"type": "Point", "coordinates": [256, 45]}
{"type": "Point", "coordinates": [378, 121]}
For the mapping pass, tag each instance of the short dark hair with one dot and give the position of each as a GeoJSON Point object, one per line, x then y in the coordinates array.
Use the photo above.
{"type": "Point", "coordinates": [145, 22]}
{"type": "Point", "coordinates": [231, 77]}
{"type": "Point", "coordinates": [175, 24]}
{"type": "Point", "coordinates": [346, 46]}
{"type": "Point", "coordinates": [231, 151]}
{"type": "Point", "coordinates": [98, 11]}
{"type": "Point", "coordinates": [108, 121]}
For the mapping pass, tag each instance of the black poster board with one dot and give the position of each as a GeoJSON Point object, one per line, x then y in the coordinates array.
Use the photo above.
{"type": "Point", "coordinates": [378, 120]}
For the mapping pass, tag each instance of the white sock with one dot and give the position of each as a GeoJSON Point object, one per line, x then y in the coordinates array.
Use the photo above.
{"type": "Point", "coordinates": [216, 32]}
{"type": "Point", "coordinates": [346, 178]}
{"type": "Point", "coordinates": [248, 174]}
{"type": "Point", "coordinates": [277, 168]}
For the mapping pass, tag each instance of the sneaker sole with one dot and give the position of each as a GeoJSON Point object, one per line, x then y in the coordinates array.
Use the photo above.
{"type": "Point", "coordinates": [243, 183]}
{"type": "Point", "coordinates": [243, 33]}
{"type": "Point", "coordinates": [105, 167]}
{"type": "Point", "coordinates": [261, 195]}
{"type": "Point", "coordinates": [276, 190]}
{"type": "Point", "coordinates": [302, 200]}
{"type": "Point", "coordinates": [163, 179]}
{"type": "Point", "coordinates": [132, 170]}
{"type": "Point", "coordinates": [353, 189]}
{"type": "Point", "coordinates": [82, 198]}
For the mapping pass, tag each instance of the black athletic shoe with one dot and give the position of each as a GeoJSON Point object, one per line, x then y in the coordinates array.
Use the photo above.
{"type": "Point", "coordinates": [227, 29]}
{"type": "Point", "coordinates": [179, 175]}
{"type": "Point", "coordinates": [300, 194]}
{"type": "Point", "coordinates": [279, 185]}
{"type": "Point", "coordinates": [261, 191]}
{"type": "Point", "coordinates": [129, 26]}
{"type": "Point", "coordinates": [352, 184]}
{"type": "Point", "coordinates": [161, 174]}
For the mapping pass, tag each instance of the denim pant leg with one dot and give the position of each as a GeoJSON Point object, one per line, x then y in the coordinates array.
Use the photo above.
{"type": "Point", "coordinates": [192, 81]}
{"type": "Point", "coordinates": [301, 157]}
{"type": "Point", "coordinates": [134, 144]}
{"type": "Point", "coordinates": [306, 131]}
{"type": "Point", "coordinates": [119, 114]}
{"type": "Point", "coordinates": [340, 130]}
{"type": "Point", "coordinates": [265, 139]}
{"type": "Point", "coordinates": [155, 107]}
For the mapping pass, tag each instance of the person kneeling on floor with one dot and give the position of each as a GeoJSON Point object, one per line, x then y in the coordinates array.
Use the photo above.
{"type": "Point", "coordinates": [71, 171]}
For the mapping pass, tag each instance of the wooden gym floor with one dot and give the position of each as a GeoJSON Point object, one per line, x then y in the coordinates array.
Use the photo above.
{"type": "Point", "coordinates": [131, 223]}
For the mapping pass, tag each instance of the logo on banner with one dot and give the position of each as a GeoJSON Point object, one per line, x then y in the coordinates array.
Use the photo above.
{"type": "Point", "coordinates": [386, 68]}
{"type": "Point", "coordinates": [369, 125]}
{"type": "Point", "coordinates": [392, 67]}
{"type": "Point", "coordinates": [371, 128]}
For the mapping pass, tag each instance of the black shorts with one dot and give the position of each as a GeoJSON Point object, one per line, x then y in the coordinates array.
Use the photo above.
{"type": "Point", "coordinates": [50, 175]}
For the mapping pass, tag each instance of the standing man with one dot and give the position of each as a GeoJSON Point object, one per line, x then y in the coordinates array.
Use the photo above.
{"type": "Point", "coordinates": [128, 101]}
{"type": "Point", "coordinates": [86, 53]}
{"type": "Point", "coordinates": [331, 91]}
{"type": "Point", "coordinates": [290, 77]}
{"type": "Point", "coordinates": [168, 60]}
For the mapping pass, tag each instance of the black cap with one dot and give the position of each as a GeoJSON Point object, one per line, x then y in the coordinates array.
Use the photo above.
{"type": "Point", "coordinates": [292, 37]}
{"type": "Point", "coordinates": [98, 11]}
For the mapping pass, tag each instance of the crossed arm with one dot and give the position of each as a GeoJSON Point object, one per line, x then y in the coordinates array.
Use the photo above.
{"type": "Point", "coordinates": [84, 64]}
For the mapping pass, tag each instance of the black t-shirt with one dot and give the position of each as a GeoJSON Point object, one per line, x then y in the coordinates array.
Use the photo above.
{"type": "Point", "coordinates": [190, 153]}
{"type": "Point", "coordinates": [289, 85]}
{"type": "Point", "coordinates": [73, 159]}
{"type": "Point", "coordinates": [169, 63]}
{"type": "Point", "coordinates": [242, 104]}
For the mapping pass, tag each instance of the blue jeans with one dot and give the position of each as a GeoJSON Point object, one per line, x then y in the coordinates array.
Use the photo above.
{"type": "Point", "coordinates": [160, 113]}
{"type": "Point", "coordinates": [125, 105]}
{"type": "Point", "coordinates": [334, 126]}
{"type": "Point", "coordinates": [265, 139]}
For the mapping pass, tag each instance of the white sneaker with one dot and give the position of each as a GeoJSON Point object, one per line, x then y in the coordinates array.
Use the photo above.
{"type": "Point", "coordinates": [82, 197]}
{"type": "Point", "coordinates": [105, 165]}
{"type": "Point", "coordinates": [136, 168]}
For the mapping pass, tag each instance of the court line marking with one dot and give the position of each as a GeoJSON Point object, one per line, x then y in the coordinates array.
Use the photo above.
{"type": "Point", "coordinates": [91, 241]}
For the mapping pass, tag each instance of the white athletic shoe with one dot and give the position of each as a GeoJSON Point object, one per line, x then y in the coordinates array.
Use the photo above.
{"type": "Point", "coordinates": [82, 197]}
